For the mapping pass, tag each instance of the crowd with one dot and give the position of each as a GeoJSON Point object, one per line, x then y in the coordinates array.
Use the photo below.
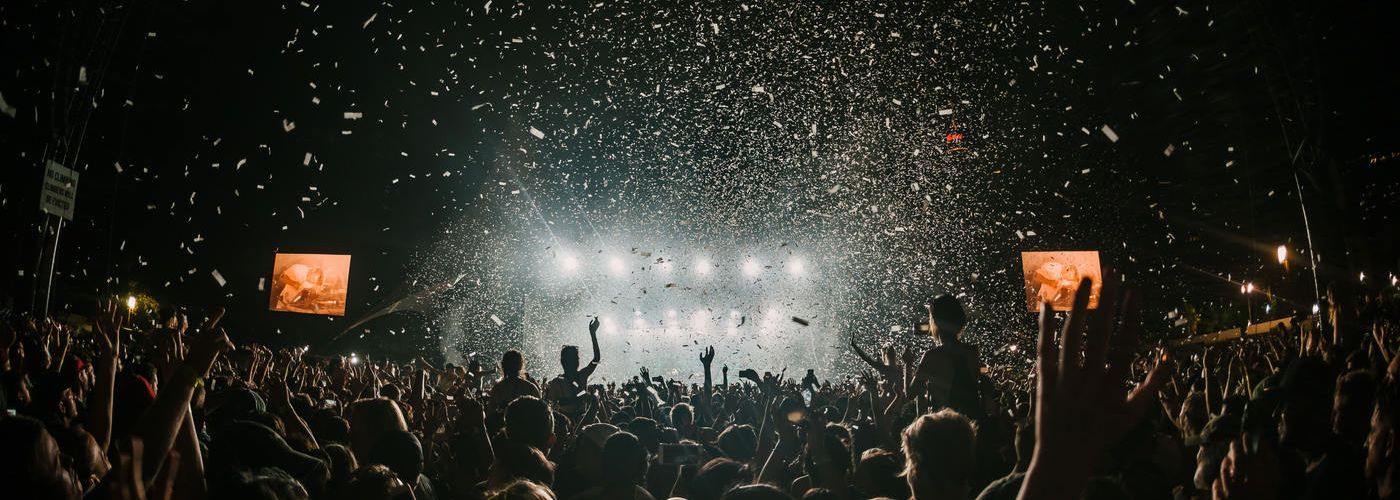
{"type": "Point", "coordinates": [106, 410]}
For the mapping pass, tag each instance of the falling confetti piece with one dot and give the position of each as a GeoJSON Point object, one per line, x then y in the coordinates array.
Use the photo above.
{"type": "Point", "coordinates": [1109, 133]}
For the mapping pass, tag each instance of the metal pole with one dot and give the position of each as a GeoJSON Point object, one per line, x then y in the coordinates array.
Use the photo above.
{"type": "Point", "coordinates": [1312, 255]}
{"type": "Point", "coordinates": [53, 258]}
{"type": "Point", "coordinates": [43, 237]}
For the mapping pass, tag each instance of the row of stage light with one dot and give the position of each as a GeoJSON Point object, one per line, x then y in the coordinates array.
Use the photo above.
{"type": "Point", "coordinates": [570, 264]}
{"type": "Point", "coordinates": [701, 320]}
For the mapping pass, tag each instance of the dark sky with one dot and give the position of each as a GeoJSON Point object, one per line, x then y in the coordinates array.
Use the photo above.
{"type": "Point", "coordinates": [194, 122]}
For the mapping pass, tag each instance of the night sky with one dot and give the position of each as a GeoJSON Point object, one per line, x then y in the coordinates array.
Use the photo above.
{"type": "Point", "coordinates": [484, 143]}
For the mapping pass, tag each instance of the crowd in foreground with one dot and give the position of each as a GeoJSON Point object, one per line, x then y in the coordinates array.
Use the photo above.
{"type": "Point", "coordinates": [173, 412]}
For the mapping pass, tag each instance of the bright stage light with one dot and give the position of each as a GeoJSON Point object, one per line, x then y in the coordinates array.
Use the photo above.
{"type": "Point", "coordinates": [751, 268]}
{"type": "Point", "coordinates": [1282, 254]}
{"type": "Point", "coordinates": [616, 265]}
{"type": "Point", "coordinates": [702, 266]}
{"type": "Point", "coordinates": [131, 302]}
{"type": "Point", "coordinates": [1316, 308]}
{"type": "Point", "coordinates": [797, 267]}
{"type": "Point", "coordinates": [698, 320]}
{"type": "Point", "coordinates": [568, 263]}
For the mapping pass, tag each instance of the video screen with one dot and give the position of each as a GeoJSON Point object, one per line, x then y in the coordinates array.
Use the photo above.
{"type": "Point", "coordinates": [310, 283]}
{"type": "Point", "coordinates": [1054, 277]}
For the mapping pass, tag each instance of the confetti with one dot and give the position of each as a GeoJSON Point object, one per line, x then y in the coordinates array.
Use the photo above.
{"type": "Point", "coordinates": [1109, 133]}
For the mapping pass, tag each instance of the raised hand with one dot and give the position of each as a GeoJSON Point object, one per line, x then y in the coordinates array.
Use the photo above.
{"type": "Point", "coordinates": [707, 357]}
{"type": "Point", "coordinates": [206, 347]}
{"type": "Point", "coordinates": [170, 352]}
{"type": "Point", "coordinates": [1082, 407]}
{"type": "Point", "coordinates": [593, 326]}
{"type": "Point", "coordinates": [107, 326]}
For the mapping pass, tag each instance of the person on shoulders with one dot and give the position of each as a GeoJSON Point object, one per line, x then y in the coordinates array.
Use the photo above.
{"type": "Point", "coordinates": [947, 374]}
{"type": "Point", "coordinates": [564, 390]}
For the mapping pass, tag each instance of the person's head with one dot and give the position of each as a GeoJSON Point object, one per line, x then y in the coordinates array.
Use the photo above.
{"type": "Point", "coordinates": [522, 489]}
{"type": "Point", "coordinates": [330, 428]}
{"type": "Point", "coordinates": [246, 444]}
{"type": "Point", "coordinates": [90, 463]}
{"type": "Point", "coordinates": [342, 463]}
{"type": "Point", "coordinates": [738, 442]}
{"type": "Point", "coordinates": [374, 482]}
{"type": "Point", "coordinates": [946, 317]}
{"type": "Point", "coordinates": [877, 474]}
{"type": "Point", "coordinates": [939, 452]}
{"type": "Point", "coordinates": [835, 448]}
{"type": "Point", "coordinates": [1351, 406]}
{"type": "Point", "coordinates": [762, 491]}
{"type": "Point", "coordinates": [568, 358]}
{"type": "Point", "coordinates": [519, 461]}
{"type": "Point", "coordinates": [530, 422]}
{"type": "Point", "coordinates": [716, 477]}
{"type": "Point", "coordinates": [370, 419]}
{"type": "Point", "coordinates": [390, 391]}
{"type": "Point", "coordinates": [53, 398]}
{"type": "Point", "coordinates": [682, 416]}
{"type": "Point", "coordinates": [1382, 443]}
{"type": "Point", "coordinates": [30, 463]}
{"type": "Point", "coordinates": [646, 430]}
{"type": "Point", "coordinates": [16, 389]}
{"type": "Point", "coordinates": [512, 363]}
{"type": "Point", "coordinates": [261, 484]}
{"type": "Point", "coordinates": [588, 450]}
{"type": "Point", "coordinates": [626, 459]}
{"type": "Point", "coordinates": [401, 452]}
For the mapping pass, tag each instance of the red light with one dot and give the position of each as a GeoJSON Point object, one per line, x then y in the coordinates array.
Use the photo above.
{"type": "Point", "coordinates": [954, 137]}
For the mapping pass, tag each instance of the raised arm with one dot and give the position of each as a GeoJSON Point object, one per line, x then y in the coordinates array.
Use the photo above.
{"type": "Point", "coordinates": [593, 335]}
{"type": "Point", "coordinates": [878, 366]}
{"type": "Point", "coordinates": [160, 424]}
{"type": "Point", "coordinates": [706, 359]}
{"type": "Point", "coordinates": [1082, 408]}
{"type": "Point", "coordinates": [107, 328]}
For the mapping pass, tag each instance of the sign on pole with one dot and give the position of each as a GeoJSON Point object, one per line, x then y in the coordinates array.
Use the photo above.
{"type": "Point", "coordinates": [60, 191]}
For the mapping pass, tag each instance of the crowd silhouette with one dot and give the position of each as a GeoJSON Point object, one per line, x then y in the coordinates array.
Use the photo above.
{"type": "Point", "coordinates": [112, 410]}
